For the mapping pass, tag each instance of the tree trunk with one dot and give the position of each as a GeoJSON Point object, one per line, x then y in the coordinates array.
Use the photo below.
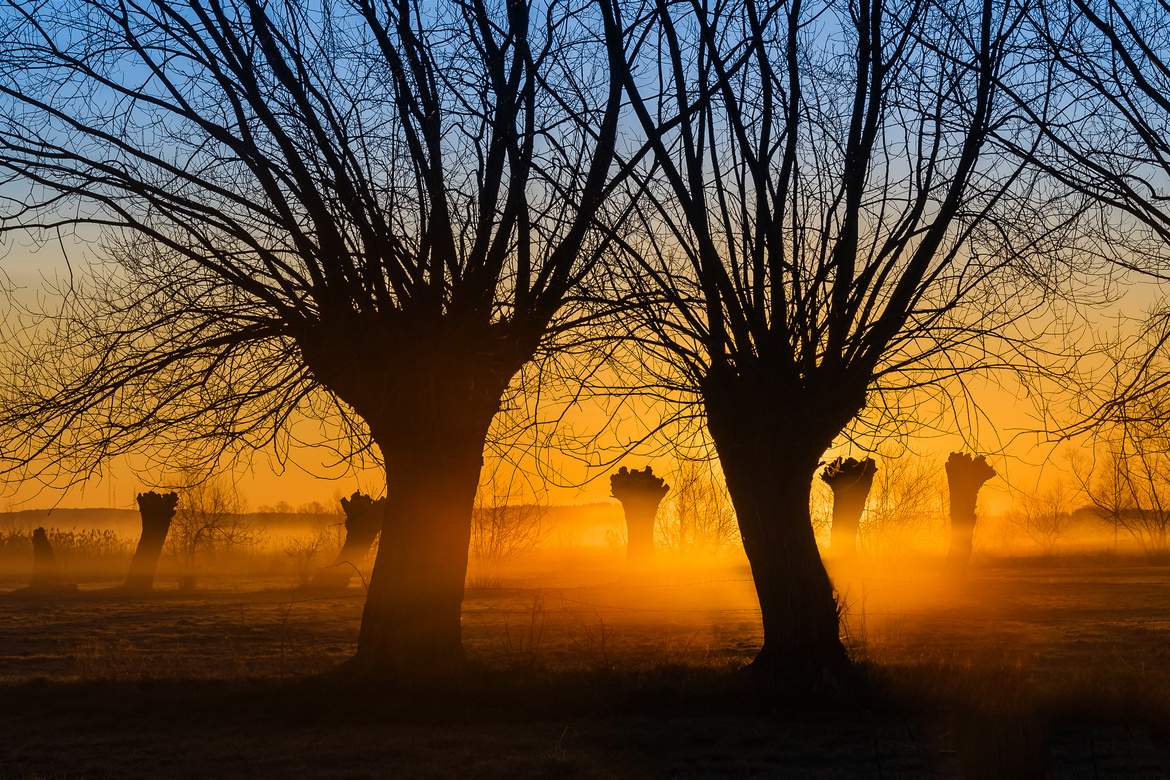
{"type": "Point", "coordinates": [640, 493]}
{"type": "Point", "coordinates": [965, 476]}
{"type": "Point", "coordinates": [428, 396]}
{"type": "Point", "coordinates": [411, 623]}
{"type": "Point", "coordinates": [363, 523]}
{"type": "Point", "coordinates": [157, 511]}
{"type": "Point", "coordinates": [850, 481]}
{"type": "Point", "coordinates": [45, 572]}
{"type": "Point", "coordinates": [770, 452]}
{"type": "Point", "coordinates": [46, 576]}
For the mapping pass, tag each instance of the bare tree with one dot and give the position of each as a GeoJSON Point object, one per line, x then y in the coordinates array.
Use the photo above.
{"type": "Point", "coordinates": [697, 518]}
{"type": "Point", "coordinates": [908, 499]}
{"type": "Point", "coordinates": [1129, 485]}
{"type": "Point", "coordinates": [1103, 118]}
{"type": "Point", "coordinates": [966, 475]}
{"type": "Point", "coordinates": [505, 523]}
{"type": "Point", "coordinates": [369, 213]}
{"type": "Point", "coordinates": [208, 522]}
{"type": "Point", "coordinates": [640, 493]}
{"type": "Point", "coordinates": [363, 523]}
{"type": "Point", "coordinates": [824, 230]}
{"type": "Point", "coordinates": [1046, 517]}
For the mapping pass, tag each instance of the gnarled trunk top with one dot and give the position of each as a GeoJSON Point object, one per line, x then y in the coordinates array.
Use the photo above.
{"type": "Point", "coordinates": [640, 493]}
{"type": "Point", "coordinates": [640, 486]}
{"type": "Point", "coordinates": [157, 507]}
{"type": "Point", "coordinates": [157, 510]}
{"type": "Point", "coordinates": [966, 474]}
{"type": "Point", "coordinates": [850, 479]}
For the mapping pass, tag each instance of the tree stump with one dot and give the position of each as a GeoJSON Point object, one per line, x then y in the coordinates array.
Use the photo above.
{"type": "Point", "coordinates": [363, 523]}
{"type": "Point", "coordinates": [965, 475]}
{"type": "Point", "coordinates": [157, 510]}
{"type": "Point", "coordinates": [46, 576]}
{"type": "Point", "coordinates": [640, 493]}
{"type": "Point", "coordinates": [850, 480]}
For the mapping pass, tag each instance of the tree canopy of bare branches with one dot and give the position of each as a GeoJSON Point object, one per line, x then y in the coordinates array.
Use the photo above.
{"type": "Point", "coordinates": [826, 223]}
{"type": "Point", "coordinates": [369, 213]}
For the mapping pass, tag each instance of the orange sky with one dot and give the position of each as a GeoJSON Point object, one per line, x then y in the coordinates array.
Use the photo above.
{"type": "Point", "coordinates": [308, 478]}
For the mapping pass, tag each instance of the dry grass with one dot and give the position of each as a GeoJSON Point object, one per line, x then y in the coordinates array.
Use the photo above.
{"type": "Point", "coordinates": [1024, 672]}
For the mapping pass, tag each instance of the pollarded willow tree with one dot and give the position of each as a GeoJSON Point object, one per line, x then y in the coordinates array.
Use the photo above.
{"type": "Point", "coordinates": [370, 211]}
{"type": "Point", "coordinates": [826, 225]}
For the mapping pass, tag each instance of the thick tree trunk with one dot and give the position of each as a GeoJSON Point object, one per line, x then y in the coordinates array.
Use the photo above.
{"type": "Point", "coordinates": [965, 476]}
{"type": "Point", "coordinates": [157, 510]}
{"type": "Point", "coordinates": [363, 523]}
{"type": "Point", "coordinates": [850, 481]}
{"type": "Point", "coordinates": [802, 642]}
{"type": "Point", "coordinates": [411, 623]}
{"type": "Point", "coordinates": [769, 452]}
{"type": "Point", "coordinates": [640, 493]}
{"type": "Point", "coordinates": [428, 395]}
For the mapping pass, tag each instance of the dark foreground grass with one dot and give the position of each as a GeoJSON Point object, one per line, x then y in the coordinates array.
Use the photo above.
{"type": "Point", "coordinates": [897, 722]}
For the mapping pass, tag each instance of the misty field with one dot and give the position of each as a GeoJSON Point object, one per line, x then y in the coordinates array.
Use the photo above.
{"type": "Point", "coordinates": [581, 668]}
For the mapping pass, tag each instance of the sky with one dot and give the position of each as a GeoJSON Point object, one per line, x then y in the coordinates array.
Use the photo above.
{"type": "Point", "coordinates": [1024, 460]}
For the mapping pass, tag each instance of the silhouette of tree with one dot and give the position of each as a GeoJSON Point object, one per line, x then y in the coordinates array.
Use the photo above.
{"type": "Point", "coordinates": [46, 574]}
{"type": "Point", "coordinates": [850, 480]}
{"type": "Point", "coordinates": [208, 521]}
{"type": "Point", "coordinates": [905, 505]}
{"type": "Point", "coordinates": [1102, 112]}
{"type": "Point", "coordinates": [640, 493]}
{"type": "Point", "coordinates": [505, 523]}
{"type": "Point", "coordinates": [965, 475]}
{"type": "Point", "coordinates": [157, 510]}
{"type": "Point", "coordinates": [369, 213]}
{"type": "Point", "coordinates": [1129, 484]}
{"type": "Point", "coordinates": [697, 516]}
{"type": "Point", "coordinates": [824, 229]}
{"type": "Point", "coordinates": [363, 523]}
{"type": "Point", "coordinates": [1046, 517]}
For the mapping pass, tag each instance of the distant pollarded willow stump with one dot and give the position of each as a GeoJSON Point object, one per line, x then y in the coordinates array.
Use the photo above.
{"type": "Point", "coordinates": [850, 481]}
{"type": "Point", "coordinates": [46, 576]}
{"type": "Point", "coordinates": [640, 493]}
{"type": "Point", "coordinates": [363, 523]}
{"type": "Point", "coordinates": [965, 476]}
{"type": "Point", "coordinates": [157, 510]}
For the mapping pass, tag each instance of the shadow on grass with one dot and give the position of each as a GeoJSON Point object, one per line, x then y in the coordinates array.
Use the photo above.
{"type": "Point", "coordinates": [921, 720]}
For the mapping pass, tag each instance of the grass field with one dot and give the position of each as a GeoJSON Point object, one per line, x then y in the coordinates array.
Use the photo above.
{"type": "Point", "coordinates": [1030, 669]}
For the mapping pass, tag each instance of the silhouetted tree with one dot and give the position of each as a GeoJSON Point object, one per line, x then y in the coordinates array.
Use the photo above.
{"type": "Point", "coordinates": [45, 570]}
{"type": "Point", "coordinates": [1045, 517]}
{"type": "Point", "coordinates": [850, 479]}
{"type": "Point", "coordinates": [640, 493]}
{"type": "Point", "coordinates": [965, 475]}
{"type": "Point", "coordinates": [157, 510]}
{"type": "Point", "coordinates": [363, 523]}
{"type": "Point", "coordinates": [1128, 480]}
{"type": "Point", "coordinates": [46, 573]}
{"type": "Point", "coordinates": [697, 515]}
{"type": "Point", "coordinates": [505, 523]}
{"type": "Point", "coordinates": [209, 521]}
{"type": "Point", "coordinates": [370, 213]}
{"type": "Point", "coordinates": [906, 504]}
{"type": "Point", "coordinates": [1102, 113]}
{"type": "Point", "coordinates": [824, 228]}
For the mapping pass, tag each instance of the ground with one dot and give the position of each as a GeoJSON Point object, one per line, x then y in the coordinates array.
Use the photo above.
{"type": "Point", "coordinates": [1029, 669]}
